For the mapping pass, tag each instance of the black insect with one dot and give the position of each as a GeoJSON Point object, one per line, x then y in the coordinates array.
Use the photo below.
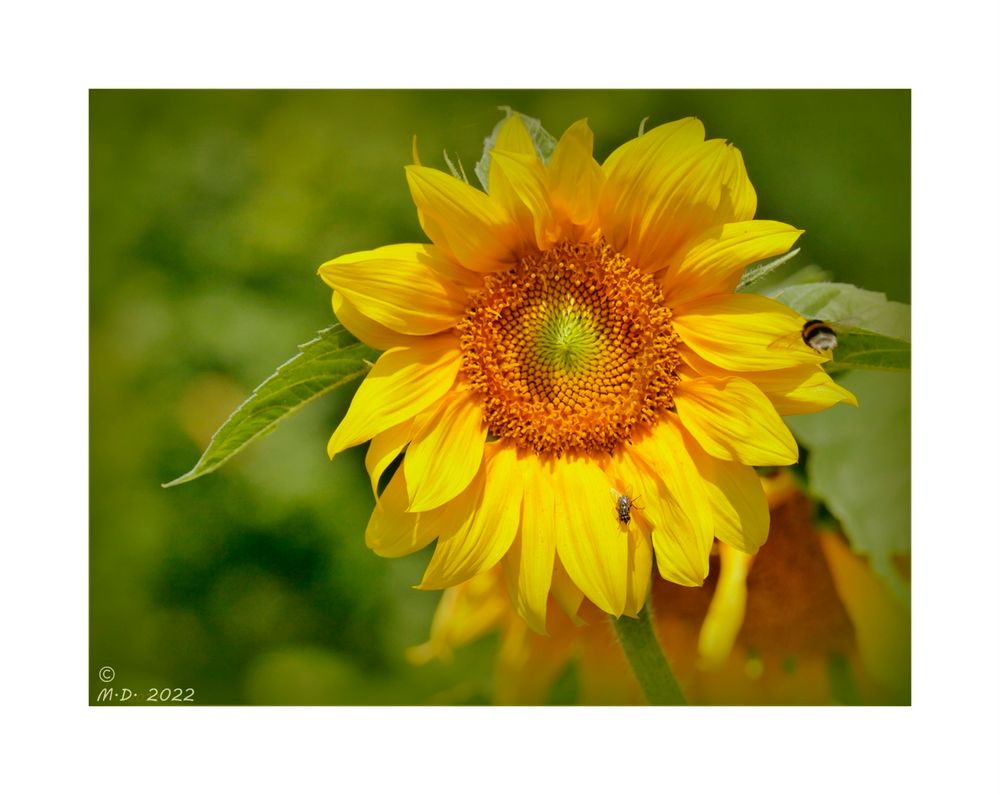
{"type": "Point", "coordinates": [623, 507]}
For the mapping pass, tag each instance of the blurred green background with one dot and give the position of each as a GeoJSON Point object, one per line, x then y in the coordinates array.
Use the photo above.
{"type": "Point", "coordinates": [210, 212]}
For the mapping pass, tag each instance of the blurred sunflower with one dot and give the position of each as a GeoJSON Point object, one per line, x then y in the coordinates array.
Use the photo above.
{"type": "Point", "coordinates": [805, 621]}
{"type": "Point", "coordinates": [569, 342]}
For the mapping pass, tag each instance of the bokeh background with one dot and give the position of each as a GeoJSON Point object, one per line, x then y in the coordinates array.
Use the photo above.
{"type": "Point", "coordinates": [210, 212]}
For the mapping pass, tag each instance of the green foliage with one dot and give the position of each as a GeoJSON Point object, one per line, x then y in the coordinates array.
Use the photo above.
{"type": "Point", "coordinates": [872, 332]}
{"type": "Point", "coordinates": [859, 465]}
{"type": "Point", "coordinates": [544, 143]}
{"type": "Point", "coordinates": [331, 360]}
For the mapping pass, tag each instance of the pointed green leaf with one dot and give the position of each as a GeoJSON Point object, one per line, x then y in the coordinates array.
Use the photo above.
{"type": "Point", "coordinates": [872, 333]}
{"type": "Point", "coordinates": [331, 360]}
{"type": "Point", "coordinates": [544, 142]}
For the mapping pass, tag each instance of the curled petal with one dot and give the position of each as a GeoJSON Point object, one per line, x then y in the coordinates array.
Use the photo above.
{"type": "Point", "coordinates": [403, 382]}
{"type": "Point", "coordinates": [484, 535]}
{"type": "Point", "coordinates": [384, 449]}
{"type": "Point", "coordinates": [392, 532]}
{"type": "Point", "coordinates": [398, 286]}
{"type": "Point", "coordinates": [365, 329]}
{"type": "Point", "coordinates": [446, 452]}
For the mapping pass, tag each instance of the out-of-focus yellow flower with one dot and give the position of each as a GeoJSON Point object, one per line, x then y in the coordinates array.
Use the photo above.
{"type": "Point", "coordinates": [805, 621]}
{"type": "Point", "coordinates": [570, 342]}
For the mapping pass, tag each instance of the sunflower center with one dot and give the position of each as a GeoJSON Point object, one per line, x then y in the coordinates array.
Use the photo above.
{"type": "Point", "coordinates": [570, 350]}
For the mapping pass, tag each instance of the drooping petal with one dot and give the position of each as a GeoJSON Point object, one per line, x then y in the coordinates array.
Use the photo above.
{"type": "Point", "coordinates": [733, 420]}
{"type": "Point", "coordinates": [664, 192]}
{"type": "Point", "coordinates": [737, 499]}
{"type": "Point", "coordinates": [384, 448]}
{"type": "Point", "coordinates": [676, 504]}
{"type": "Point", "coordinates": [399, 287]}
{"type": "Point", "coordinates": [479, 543]}
{"type": "Point", "coordinates": [724, 618]}
{"type": "Point", "coordinates": [591, 545]}
{"type": "Point", "coordinates": [740, 332]}
{"type": "Point", "coordinates": [575, 179]}
{"type": "Point", "coordinates": [403, 382]}
{"type": "Point", "coordinates": [392, 532]}
{"type": "Point", "coordinates": [528, 563]}
{"type": "Point", "coordinates": [365, 329]}
{"type": "Point", "coordinates": [446, 452]}
{"type": "Point", "coordinates": [714, 265]}
{"type": "Point", "coordinates": [801, 390]}
{"type": "Point", "coordinates": [462, 220]}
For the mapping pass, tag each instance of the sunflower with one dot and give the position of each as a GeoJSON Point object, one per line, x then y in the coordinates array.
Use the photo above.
{"type": "Point", "coordinates": [574, 385]}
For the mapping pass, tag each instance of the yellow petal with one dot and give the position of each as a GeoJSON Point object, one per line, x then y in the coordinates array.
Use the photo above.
{"type": "Point", "coordinates": [365, 329]}
{"type": "Point", "coordinates": [733, 420]}
{"type": "Point", "coordinates": [398, 286]}
{"type": "Point", "coordinates": [462, 220]}
{"type": "Point", "coordinates": [737, 499]}
{"type": "Point", "coordinates": [391, 531]}
{"type": "Point", "coordinates": [565, 592]}
{"type": "Point", "coordinates": [676, 504]}
{"type": "Point", "coordinates": [403, 382]}
{"type": "Point", "coordinates": [575, 179]}
{"type": "Point", "coordinates": [591, 544]}
{"type": "Point", "coordinates": [715, 264]}
{"type": "Point", "coordinates": [464, 613]}
{"type": "Point", "coordinates": [724, 618]}
{"type": "Point", "coordinates": [446, 452]}
{"type": "Point", "coordinates": [384, 448]}
{"type": "Point", "coordinates": [529, 561]}
{"type": "Point", "coordinates": [640, 546]}
{"type": "Point", "coordinates": [518, 183]}
{"type": "Point", "coordinates": [801, 390]}
{"type": "Point", "coordinates": [477, 544]}
{"type": "Point", "coordinates": [513, 136]}
{"type": "Point", "coordinates": [664, 191]}
{"type": "Point", "coordinates": [735, 332]}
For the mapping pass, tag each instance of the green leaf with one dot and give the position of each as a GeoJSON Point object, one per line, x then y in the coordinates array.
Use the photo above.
{"type": "Point", "coordinates": [331, 360]}
{"type": "Point", "coordinates": [857, 349]}
{"type": "Point", "coordinates": [859, 465]}
{"type": "Point", "coordinates": [872, 332]}
{"type": "Point", "coordinates": [544, 143]}
{"type": "Point", "coordinates": [848, 305]}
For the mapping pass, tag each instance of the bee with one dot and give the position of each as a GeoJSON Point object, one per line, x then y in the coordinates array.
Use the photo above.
{"type": "Point", "coordinates": [623, 507]}
{"type": "Point", "coordinates": [817, 334]}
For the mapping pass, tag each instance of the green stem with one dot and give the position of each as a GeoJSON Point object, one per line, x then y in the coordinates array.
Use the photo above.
{"type": "Point", "coordinates": [644, 655]}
